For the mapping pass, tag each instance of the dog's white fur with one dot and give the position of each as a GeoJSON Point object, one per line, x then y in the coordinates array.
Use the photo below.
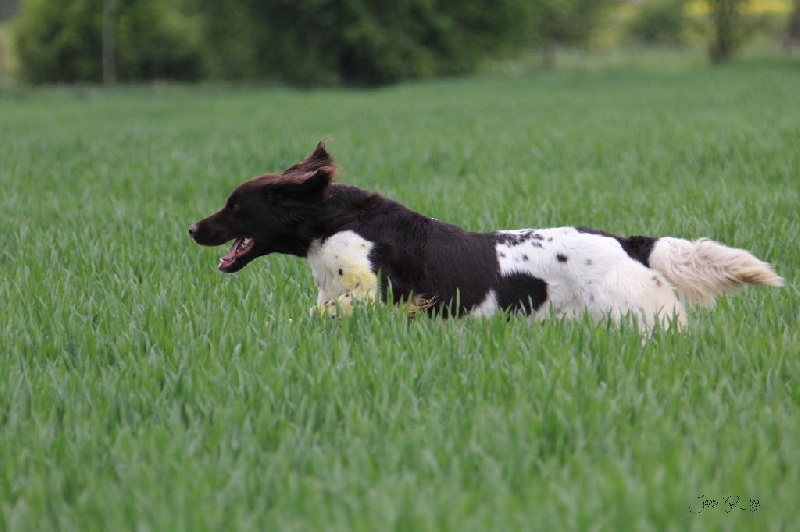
{"type": "Point", "coordinates": [704, 269]}
{"type": "Point", "coordinates": [343, 272]}
{"type": "Point", "coordinates": [597, 277]}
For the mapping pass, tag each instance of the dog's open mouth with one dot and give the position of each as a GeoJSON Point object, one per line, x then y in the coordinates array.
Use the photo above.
{"type": "Point", "coordinates": [240, 248]}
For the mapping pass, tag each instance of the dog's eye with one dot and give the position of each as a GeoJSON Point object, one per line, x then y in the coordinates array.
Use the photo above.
{"type": "Point", "coordinates": [235, 207]}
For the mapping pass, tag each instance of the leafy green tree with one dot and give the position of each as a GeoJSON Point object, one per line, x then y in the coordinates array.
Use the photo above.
{"type": "Point", "coordinates": [567, 22]}
{"type": "Point", "coordinates": [660, 22]}
{"type": "Point", "coordinates": [60, 41]}
{"type": "Point", "coordinates": [360, 42]}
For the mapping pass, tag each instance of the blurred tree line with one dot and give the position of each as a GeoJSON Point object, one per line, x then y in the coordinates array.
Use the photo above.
{"type": "Point", "coordinates": [62, 41]}
{"type": "Point", "coordinates": [321, 42]}
{"type": "Point", "coordinates": [304, 42]}
{"type": "Point", "coordinates": [357, 42]}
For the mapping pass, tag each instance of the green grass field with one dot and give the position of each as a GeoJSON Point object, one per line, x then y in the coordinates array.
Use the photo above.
{"type": "Point", "coordinates": [140, 389]}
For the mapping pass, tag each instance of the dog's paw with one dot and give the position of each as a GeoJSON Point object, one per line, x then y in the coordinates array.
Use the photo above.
{"type": "Point", "coordinates": [334, 308]}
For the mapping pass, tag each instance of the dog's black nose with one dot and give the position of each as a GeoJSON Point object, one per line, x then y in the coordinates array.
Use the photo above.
{"type": "Point", "coordinates": [193, 229]}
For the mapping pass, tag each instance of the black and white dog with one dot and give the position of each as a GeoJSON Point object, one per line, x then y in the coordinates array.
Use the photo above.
{"type": "Point", "coordinates": [361, 246]}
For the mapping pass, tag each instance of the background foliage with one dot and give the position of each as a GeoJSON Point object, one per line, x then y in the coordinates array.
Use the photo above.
{"type": "Point", "coordinates": [61, 41]}
{"type": "Point", "coordinates": [358, 41]}
{"type": "Point", "coordinates": [660, 22]}
{"type": "Point", "coordinates": [346, 42]}
{"type": "Point", "coordinates": [562, 22]}
{"type": "Point", "coordinates": [308, 42]}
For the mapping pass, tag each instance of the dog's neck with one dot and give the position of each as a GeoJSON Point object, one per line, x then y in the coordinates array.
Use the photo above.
{"type": "Point", "coordinates": [374, 217]}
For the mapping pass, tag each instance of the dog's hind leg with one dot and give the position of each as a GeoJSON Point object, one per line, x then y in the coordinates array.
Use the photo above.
{"type": "Point", "coordinates": [633, 290]}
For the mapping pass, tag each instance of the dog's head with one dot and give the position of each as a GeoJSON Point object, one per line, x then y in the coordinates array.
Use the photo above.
{"type": "Point", "coordinates": [272, 213]}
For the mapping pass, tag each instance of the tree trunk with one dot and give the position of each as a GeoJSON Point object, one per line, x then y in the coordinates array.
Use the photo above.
{"type": "Point", "coordinates": [792, 29]}
{"type": "Point", "coordinates": [109, 46]}
{"type": "Point", "coordinates": [726, 18]}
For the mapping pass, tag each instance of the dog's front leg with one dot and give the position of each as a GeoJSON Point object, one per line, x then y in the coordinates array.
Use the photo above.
{"type": "Point", "coordinates": [343, 304]}
{"type": "Point", "coordinates": [356, 287]}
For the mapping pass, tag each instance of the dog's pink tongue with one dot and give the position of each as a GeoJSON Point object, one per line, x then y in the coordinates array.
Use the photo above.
{"type": "Point", "coordinates": [232, 253]}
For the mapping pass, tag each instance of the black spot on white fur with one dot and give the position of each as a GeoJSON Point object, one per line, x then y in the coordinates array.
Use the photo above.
{"type": "Point", "coordinates": [561, 257]}
{"type": "Point", "coordinates": [637, 247]}
{"type": "Point", "coordinates": [513, 239]}
{"type": "Point", "coordinates": [520, 292]}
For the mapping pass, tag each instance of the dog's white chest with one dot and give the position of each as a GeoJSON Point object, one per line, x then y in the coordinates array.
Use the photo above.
{"type": "Point", "coordinates": [341, 265]}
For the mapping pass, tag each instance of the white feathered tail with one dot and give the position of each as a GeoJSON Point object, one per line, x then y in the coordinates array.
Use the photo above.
{"type": "Point", "coordinates": [704, 269]}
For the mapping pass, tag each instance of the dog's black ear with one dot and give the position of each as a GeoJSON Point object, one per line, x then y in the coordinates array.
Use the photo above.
{"type": "Point", "coordinates": [315, 183]}
{"type": "Point", "coordinates": [318, 160]}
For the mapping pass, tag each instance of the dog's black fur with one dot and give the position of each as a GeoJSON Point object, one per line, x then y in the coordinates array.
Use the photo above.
{"type": "Point", "coordinates": [415, 254]}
